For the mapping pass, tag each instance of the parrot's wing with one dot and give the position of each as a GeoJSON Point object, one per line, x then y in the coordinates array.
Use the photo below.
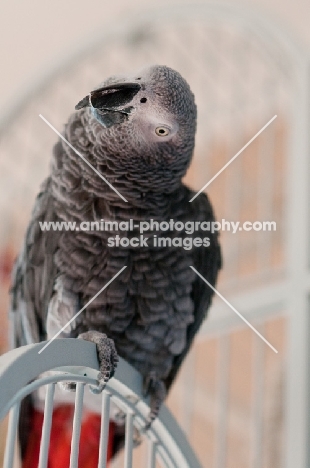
{"type": "Point", "coordinates": [207, 261]}
{"type": "Point", "coordinates": [34, 274]}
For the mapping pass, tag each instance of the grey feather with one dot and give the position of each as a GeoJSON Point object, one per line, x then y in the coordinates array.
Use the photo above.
{"type": "Point", "coordinates": [156, 306]}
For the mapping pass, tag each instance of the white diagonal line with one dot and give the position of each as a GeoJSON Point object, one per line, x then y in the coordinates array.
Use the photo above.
{"type": "Point", "coordinates": [82, 157]}
{"type": "Point", "coordinates": [232, 308]}
{"type": "Point", "coordinates": [233, 158]}
{"type": "Point", "coordinates": [83, 308]}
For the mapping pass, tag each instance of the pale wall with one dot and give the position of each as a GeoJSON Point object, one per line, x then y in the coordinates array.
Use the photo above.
{"type": "Point", "coordinates": [36, 34]}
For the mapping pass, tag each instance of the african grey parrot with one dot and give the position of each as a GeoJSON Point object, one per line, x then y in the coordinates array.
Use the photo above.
{"type": "Point", "coordinates": [138, 130]}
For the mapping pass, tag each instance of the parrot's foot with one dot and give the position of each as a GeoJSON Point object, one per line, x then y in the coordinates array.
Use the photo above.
{"type": "Point", "coordinates": [136, 438]}
{"type": "Point", "coordinates": [155, 388]}
{"type": "Point", "coordinates": [107, 357]}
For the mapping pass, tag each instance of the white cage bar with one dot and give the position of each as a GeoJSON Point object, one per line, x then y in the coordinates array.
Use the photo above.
{"type": "Point", "coordinates": [75, 360]}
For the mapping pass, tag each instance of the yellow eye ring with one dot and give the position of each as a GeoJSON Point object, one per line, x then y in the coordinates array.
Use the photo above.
{"type": "Point", "coordinates": [162, 131]}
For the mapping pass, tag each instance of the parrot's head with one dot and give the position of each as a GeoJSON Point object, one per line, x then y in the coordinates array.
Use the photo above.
{"type": "Point", "coordinates": [146, 119]}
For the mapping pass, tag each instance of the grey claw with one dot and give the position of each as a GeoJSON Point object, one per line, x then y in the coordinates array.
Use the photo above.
{"type": "Point", "coordinates": [120, 417]}
{"type": "Point", "coordinates": [154, 387]}
{"type": "Point", "coordinates": [107, 357]}
{"type": "Point", "coordinates": [97, 390]}
{"type": "Point", "coordinates": [137, 439]}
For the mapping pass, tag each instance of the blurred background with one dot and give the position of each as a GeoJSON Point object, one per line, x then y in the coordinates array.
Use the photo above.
{"type": "Point", "coordinates": [241, 404]}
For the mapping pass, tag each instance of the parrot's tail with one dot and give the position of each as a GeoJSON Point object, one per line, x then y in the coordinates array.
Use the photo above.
{"type": "Point", "coordinates": [60, 439]}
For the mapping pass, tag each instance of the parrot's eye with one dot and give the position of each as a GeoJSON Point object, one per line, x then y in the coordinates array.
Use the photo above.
{"type": "Point", "coordinates": [162, 131]}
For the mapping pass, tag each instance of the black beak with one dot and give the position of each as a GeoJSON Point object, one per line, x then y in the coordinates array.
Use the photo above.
{"type": "Point", "coordinates": [110, 97]}
{"type": "Point", "coordinates": [109, 103]}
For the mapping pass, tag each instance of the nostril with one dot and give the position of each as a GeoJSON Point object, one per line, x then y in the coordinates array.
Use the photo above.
{"type": "Point", "coordinates": [143, 99]}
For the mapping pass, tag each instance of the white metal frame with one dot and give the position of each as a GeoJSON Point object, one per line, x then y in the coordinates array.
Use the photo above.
{"type": "Point", "coordinates": [76, 361]}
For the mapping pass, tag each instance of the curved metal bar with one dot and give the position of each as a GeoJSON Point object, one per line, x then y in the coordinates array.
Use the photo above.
{"type": "Point", "coordinates": [52, 379]}
{"type": "Point", "coordinates": [22, 365]}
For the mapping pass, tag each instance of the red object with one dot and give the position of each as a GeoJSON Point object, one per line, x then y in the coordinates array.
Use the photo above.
{"type": "Point", "coordinates": [7, 256]}
{"type": "Point", "coordinates": [60, 440]}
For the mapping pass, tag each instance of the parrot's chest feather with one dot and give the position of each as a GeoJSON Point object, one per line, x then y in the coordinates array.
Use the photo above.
{"type": "Point", "coordinates": [146, 309]}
